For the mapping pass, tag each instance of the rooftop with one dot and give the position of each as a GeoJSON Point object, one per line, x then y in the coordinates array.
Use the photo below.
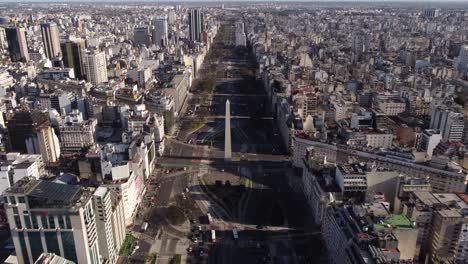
{"type": "Point", "coordinates": [56, 192]}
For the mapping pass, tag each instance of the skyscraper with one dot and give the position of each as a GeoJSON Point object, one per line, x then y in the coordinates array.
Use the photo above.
{"type": "Point", "coordinates": [195, 19]}
{"type": "Point", "coordinates": [16, 38]}
{"type": "Point", "coordinates": [95, 66]}
{"type": "Point", "coordinates": [141, 36]}
{"type": "Point", "coordinates": [50, 38]}
{"type": "Point", "coordinates": [160, 31]}
{"type": "Point", "coordinates": [67, 220]}
{"type": "Point", "coordinates": [461, 62]}
{"type": "Point", "coordinates": [72, 58]}
{"type": "Point", "coordinates": [450, 123]}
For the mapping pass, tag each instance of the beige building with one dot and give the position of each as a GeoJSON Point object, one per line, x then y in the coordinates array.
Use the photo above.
{"type": "Point", "coordinates": [49, 144]}
{"type": "Point", "coordinates": [95, 66]}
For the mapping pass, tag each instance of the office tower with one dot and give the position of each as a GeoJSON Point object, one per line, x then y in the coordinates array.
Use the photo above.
{"type": "Point", "coordinates": [171, 17]}
{"type": "Point", "coordinates": [461, 62]}
{"type": "Point", "coordinates": [51, 217]}
{"type": "Point", "coordinates": [72, 58]}
{"type": "Point", "coordinates": [431, 12]}
{"type": "Point", "coordinates": [3, 39]}
{"type": "Point", "coordinates": [141, 36]}
{"type": "Point", "coordinates": [450, 123]}
{"type": "Point", "coordinates": [160, 31]}
{"type": "Point", "coordinates": [50, 39]}
{"type": "Point", "coordinates": [22, 129]}
{"type": "Point", "coordinates": [95, 66]}
{"type": "Point", "coordinates": [195, 19]}
{"type": "Point", "coordinates": [110, 223]}
{"type": "Point", "coordinates": [16, 38]}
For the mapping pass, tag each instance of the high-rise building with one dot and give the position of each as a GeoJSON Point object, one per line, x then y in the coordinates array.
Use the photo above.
{"type": "Point", "coordinates": [160, 31]}
{"type": "Point", "coordinates": [450, 123]}
{"type": "Point", "coordinates": [95, 66]}
{"type": "Point", "coordinates": [171, 17]}
{"type": "Point", "coordinates": [195, 19]}
{"type": "Point", "coordinates": [431, 12]}
{"type": "Point", "coordinates": [72, 58]}
{"type": "Point", "coordinates": [16, 38]}
{"type": "Point", "coordinates": [50, 39]}
{"type": "Point", "coordinates": [141, 36]}
{"type": "Point", "coordinates": [51, 217]}
{"type": "Point", "coordinates": [461, 62]}
{"type": "Point", "coordinates": [110, 223]}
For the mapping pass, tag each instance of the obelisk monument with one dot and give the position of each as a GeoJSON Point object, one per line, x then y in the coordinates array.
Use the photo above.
{"type": "Point", "coordinates": [227, 133]}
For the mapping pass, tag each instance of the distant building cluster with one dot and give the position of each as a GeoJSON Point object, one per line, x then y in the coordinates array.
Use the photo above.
{"type": "Point", "coordinates": [372, 109]}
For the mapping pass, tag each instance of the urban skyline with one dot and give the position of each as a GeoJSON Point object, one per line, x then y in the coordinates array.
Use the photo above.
{"type": "Point", "coordinates": [295, 132]}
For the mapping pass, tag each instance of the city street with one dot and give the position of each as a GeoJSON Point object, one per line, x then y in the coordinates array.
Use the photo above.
{"type": "Point", "coordinates": [265, 213]}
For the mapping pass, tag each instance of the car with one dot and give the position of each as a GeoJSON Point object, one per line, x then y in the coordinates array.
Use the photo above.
{"type": "Point", "coordinates": [259, 227]}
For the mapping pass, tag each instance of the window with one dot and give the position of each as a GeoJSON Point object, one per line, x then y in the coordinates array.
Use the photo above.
{"type": "Point", "coordinates": [18, 222]}
{"type": "Point", "coordinates": [44, 221]}
{"type": "Point", "coordinates": [21, 199]}
{"type": "Point", "coordinates": [52, 242]}
{"type": "Point", "coordinates": [35, 244]}
{"type": "Point", "coordinates": [15, 210]}
{"type": "Point", "coordinates": [27, 221]}
{"type": "Point", "coordinates": [12, 200]}
{"type": "Point", "coordinates": [51, 222]}
{"type": "Point", "coordinates": [34, 221]}
{"type": "Point", "coordinates": [23, 247]}
{"type": "Point", "coordinates": [68, 222]}
{"type": "Point", "coordinates": [61, 222]}
{"type": "Point", "coordinates": [69, 246]}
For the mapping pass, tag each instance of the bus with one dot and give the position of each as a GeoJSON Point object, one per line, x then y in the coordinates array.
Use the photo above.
{"type": "Point", "coordinates": [210, 219]}
{"type": "Point", "coordinates": [234, 233]}
{"type": "Point", "coordinates": [213, 236]}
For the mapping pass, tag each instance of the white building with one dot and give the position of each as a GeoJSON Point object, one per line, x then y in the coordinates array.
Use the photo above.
{"type": "Point", "coordinates": [430, 138]}
{"type": "Point", "coordinates": [54, 218]}
{"type": "Point", "coordinates": [76, 133]}
{"type": "Point", "coordinates": [390, 106]}
{"type": "Point", "coordinates": [140, 75]}
{"type": "Point", "coordinates": [449, 122]}
{"type": "Point", "coordinates": [462, 251]}
{"type": "Point", "coordinates": [95, 66]}
{"type": "Point", "coordinates": [379, 140]}
{"type": "Point", "coordinates": [124, 177]}
{"type": "Point", "coordinates": [110, 223]}
{"type": "Point", "coordinates": [17, 166]}
{"type": "Point", "coordinates": [461, 62]}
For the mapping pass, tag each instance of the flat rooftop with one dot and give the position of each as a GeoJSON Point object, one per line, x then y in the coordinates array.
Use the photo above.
{"type": "Point", "coordinates": [55, 192]}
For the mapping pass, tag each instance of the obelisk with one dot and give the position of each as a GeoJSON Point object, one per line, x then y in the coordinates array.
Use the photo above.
{"type": "Point", "coordinates": [227, 133]}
